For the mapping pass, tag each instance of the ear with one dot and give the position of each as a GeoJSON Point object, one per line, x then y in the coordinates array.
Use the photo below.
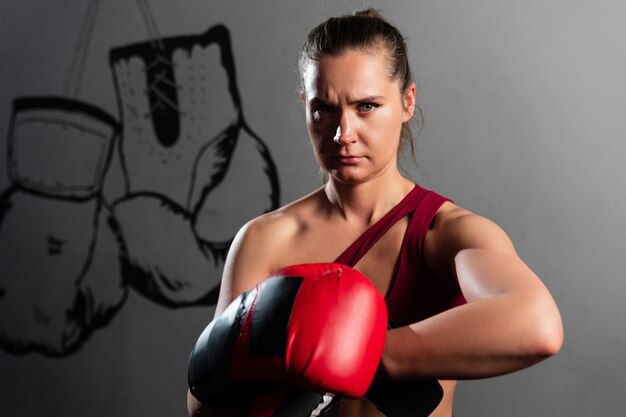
{"type": "Point", "coordinates": [303, 96]}
{"type": "Point", "coordinates": [408, 100]}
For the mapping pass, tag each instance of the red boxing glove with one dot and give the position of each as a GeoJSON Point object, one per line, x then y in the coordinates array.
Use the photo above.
{"type": "Point", "coordinates": [321, 326]}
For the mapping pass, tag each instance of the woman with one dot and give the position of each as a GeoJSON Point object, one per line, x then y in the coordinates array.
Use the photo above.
{"type": "Point", "coordinates": [465, 304]}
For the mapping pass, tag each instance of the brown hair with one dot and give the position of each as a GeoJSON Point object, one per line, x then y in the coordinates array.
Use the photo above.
{"type": "Point", "coordinates": [365, 30]}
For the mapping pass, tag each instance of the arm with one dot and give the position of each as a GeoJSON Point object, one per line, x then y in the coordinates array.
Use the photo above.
{"type": "Point", "coordinates": [249, 262]}
{"type": "Point", "coordinates": [239, 275]}
{"type": "Point", "coordinates": [510, 321]}
{"type": "Point", "coordinates": [253, 256]}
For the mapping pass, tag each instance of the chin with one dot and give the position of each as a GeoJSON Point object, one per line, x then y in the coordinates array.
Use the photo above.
{"type": "Point", "coordinates": [348, 178]}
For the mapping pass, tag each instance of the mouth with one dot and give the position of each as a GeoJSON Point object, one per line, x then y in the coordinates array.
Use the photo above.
{"type": "Point", "coordinates": [349, 159]}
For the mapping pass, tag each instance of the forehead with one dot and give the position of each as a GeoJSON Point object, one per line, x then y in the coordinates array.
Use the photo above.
{"type": "Point", "coordinates": [354, 72]}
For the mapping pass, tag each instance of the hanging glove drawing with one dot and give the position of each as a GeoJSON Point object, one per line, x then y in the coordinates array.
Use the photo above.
{"type": "Point", "coordinates": [50, 220]}
{"type": "Point", "coordinates": [195, 171]}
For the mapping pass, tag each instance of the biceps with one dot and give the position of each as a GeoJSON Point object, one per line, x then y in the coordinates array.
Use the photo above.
{"type": "Point", "coordinates": [483, 273]}
{"type": "Point", "coordinates": [244, 268]}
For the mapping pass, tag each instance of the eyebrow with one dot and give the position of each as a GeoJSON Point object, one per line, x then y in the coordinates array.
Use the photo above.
{"type": "Point", "coordinates": [357, 101]}
{"type": "Point", "coordinates": [368, 98]}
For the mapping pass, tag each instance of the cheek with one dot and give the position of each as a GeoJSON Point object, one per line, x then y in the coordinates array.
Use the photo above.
{"type": "Point", "coordinates": [388, 123]}
{"type": "Point", "coordinates": [316, 136]}
{"type": "Point", "coordinates": [321, 130]}
{"type": "Point", "coordinates": [385, 134]}
{"type": "Point", "coordinates": [397, 120]}
{"type": "Point", "coordinates": [314, 133]}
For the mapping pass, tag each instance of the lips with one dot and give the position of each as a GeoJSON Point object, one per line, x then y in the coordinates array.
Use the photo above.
{"type": "Point", "coordinates": [349, 159]}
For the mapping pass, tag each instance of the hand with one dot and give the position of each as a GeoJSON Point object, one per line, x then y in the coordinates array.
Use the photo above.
{"type": "Point", "coordinates": [415, 398]}
{"type": "Point", "coordinates": [320, 326]}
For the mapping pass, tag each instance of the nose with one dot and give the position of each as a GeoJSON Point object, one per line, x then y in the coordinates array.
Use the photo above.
{"type": "Point", "coordinates": [344, 133]}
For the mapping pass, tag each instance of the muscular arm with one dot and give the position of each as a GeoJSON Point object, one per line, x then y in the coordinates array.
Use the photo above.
{"type": "Point", "coordinates": [247, 264]}
{"type": "Point", "coordinates": [510, 321]}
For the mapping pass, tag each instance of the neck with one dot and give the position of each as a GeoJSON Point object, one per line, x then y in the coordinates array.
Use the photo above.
{"type": "Point", "coordinates": [367, 202]}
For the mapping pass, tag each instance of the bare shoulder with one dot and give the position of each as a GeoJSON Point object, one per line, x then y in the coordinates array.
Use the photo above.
{"type": "Point", "coordinates": [455, 228]}
{"type": "Point", "coordinates": [276, 230]}
{"type": "Point", "coordinates": [260, 247]}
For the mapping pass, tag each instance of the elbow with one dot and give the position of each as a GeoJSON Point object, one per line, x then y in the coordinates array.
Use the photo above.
{"type": "Point", "coordinates": [550, 343]}
{"type": "Point", "coordinates": [546, 339]}
{"type": "Point", "coordinates": [194, 407]}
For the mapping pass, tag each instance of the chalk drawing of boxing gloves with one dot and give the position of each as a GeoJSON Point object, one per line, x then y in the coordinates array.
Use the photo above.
{"type": "Point", "coordinates": [50, 219]}
{"type": "Point", "coordinates": [195, 171]}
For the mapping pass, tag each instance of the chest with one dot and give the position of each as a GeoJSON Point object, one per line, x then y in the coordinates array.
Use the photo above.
{"type": "Point", "coordinates": [326, 244]}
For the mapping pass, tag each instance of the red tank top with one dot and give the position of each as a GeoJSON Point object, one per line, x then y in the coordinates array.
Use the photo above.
{"type": "Point", "coordinates": [415, 292]}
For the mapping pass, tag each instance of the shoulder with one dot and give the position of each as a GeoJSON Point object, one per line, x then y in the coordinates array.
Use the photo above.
{"type": "Point", "coordinates": [272, 230]}
{"type": "Point", "coordinates": [264, 238]}
{"type": "Point", "coordinates": [260, 246]}
{"type": "Point", "coordinates": [454, 229]}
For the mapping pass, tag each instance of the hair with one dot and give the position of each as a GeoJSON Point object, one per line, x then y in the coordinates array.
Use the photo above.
{"type": "Point", "coordinates": [365, 30]}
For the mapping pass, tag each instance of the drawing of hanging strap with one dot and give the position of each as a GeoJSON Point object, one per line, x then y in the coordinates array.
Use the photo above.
{"type": "Point", "coordinates": [59, 149]}
{"type": "Point", "coordinates": [75, 76]}
{"type": "Point", "coordinates": [161, 91]}
{"type": "Point", "coordinates": [60, 146]}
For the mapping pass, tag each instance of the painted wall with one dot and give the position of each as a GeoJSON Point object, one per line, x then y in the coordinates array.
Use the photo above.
{"type": "Point", "coordinates": [139, 135]}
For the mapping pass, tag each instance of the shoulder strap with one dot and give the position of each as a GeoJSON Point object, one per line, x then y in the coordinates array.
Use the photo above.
{"type": "Point", "coordinates": [429, 206]}
{"type": "Point", "coordinates": [359, 247]}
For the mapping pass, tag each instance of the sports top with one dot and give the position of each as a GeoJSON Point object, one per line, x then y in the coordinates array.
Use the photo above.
{"type": "Point", "coordinates": [415, 292]}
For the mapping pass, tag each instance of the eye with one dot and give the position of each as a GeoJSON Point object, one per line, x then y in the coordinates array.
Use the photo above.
{"type": "Point", "coordinates": [367, 107]}
{"type": "Point", "coordinates": [322, 109]}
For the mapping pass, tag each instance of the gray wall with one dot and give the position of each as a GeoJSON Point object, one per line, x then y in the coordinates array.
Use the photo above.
{"type": "Point", "coordinates": [523, 103]}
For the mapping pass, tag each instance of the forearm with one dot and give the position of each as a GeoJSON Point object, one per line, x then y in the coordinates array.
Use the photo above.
{"type": "Point", "coordinates": [485, 338]}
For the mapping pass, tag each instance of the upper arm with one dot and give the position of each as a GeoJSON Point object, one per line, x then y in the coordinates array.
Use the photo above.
{"type": "Point", "coordinates": [479, 255]}
{"type": "Point", "coordinates": [242, 270]}
{"type": "Point", "coordinates": [251, 258]}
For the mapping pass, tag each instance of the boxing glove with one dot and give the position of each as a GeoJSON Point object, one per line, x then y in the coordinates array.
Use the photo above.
{"type": "Point", "coordinates": [404, 398]}
{"type": "Point", "coordinates": [319, 326]}
{"type": "Point", "coordinates": [393, 398]}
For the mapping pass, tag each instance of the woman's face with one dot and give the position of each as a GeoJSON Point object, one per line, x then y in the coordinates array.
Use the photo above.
{"type": "Point", "coordinates": [354, 114]}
